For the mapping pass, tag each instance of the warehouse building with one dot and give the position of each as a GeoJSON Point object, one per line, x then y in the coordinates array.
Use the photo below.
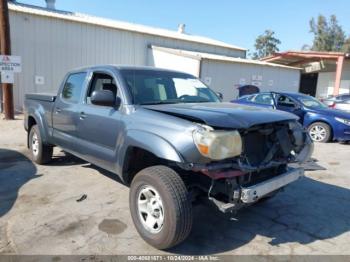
{"type": "Point", "coordinates": [323, 73]}
{"type": "Point", "coordinates": [226, 74]}
{"type": "Point", "coordinates": [51, 42]}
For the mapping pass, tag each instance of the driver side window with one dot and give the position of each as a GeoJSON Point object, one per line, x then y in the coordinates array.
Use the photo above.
{"type": "Point", "coordinates": [285, 101]}
{"type": "Point", "coordinates": [101, 81]}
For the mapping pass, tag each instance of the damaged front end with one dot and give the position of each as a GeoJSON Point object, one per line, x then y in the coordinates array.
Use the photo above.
{"type": "Point", "coordinates": [249, 164]}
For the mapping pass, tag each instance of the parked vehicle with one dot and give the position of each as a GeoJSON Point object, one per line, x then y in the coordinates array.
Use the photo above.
{"type": "Point", "coordinates": [332, 100]}
{"type": "Point", "coordinates": [169, 137]}
{"type": "Point", "coordinates": [343, 105]}
{"type": "Point", "coordinates": [322, 123]}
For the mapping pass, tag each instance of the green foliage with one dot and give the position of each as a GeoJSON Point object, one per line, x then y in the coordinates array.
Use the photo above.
{"type": "Point", "coordinates": [266, 44]}
{"type": "Point", "coordinates": [328, 35]}
{"type": "Point", "coordinates": [346, 46]}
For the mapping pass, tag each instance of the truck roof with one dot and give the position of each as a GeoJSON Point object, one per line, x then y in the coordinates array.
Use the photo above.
{"type": "Point", "coordinates": [123, 67]}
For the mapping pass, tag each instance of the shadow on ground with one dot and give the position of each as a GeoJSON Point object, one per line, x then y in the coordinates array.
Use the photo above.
{"type": "Point", "coordinates": [65, 159]}
{"type": "Point", "coordinates": [306, 211]}
{"type": "Point", "coordinates": [15, 171]}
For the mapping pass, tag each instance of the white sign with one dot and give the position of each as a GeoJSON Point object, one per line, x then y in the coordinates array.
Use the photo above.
{"type": "Point", "coordinates": [314, 67]}
{"type": "Point", "coordinates": [7, 77]}
{"type": "Point", "coordinates": [10, 63]}
{"type": "Point", "coordinates": [39, 80]}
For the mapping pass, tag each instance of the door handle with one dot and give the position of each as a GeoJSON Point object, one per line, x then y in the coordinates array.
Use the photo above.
{"type": "Point", "coordinates": [58, 110]}
{"type": "Point", "coordinates": [82, 116]}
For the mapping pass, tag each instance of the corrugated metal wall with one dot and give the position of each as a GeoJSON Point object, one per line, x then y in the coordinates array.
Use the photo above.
{"type": "Point", "coordinates": [226, 77]}
{"type": "Point", "coordinates": [49, 47]}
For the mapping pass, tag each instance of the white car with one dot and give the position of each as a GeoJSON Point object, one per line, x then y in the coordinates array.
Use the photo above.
{"type": "Point", "coordinates": [343, 105]}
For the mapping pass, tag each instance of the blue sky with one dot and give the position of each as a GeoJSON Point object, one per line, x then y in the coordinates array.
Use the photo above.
{"type": "Point", "coordinates": [237, 22]}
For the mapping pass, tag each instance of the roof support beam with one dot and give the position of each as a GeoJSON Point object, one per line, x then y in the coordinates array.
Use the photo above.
{"type": "Point", "coordinates": [338, 73]}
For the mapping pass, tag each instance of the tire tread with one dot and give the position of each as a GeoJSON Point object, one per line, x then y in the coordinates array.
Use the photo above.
{"type": "Point", "coordinates": [178, 192]}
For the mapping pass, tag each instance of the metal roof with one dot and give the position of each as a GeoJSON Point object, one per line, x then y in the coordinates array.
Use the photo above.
{"type": "Point", "coordinates": [83, 18]}
{"type": "Point", "coordinates": [299, 57]}
{"type": "Point", "coordinates": [200, 55]}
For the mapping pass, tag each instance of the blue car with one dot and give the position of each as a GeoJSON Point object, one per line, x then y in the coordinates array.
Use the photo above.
{"type": "Point", "coordinates": [322, 123]}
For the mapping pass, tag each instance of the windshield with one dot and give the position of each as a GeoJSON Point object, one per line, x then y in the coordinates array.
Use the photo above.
{"type": "Point", "coordinates": [163, 87]}
{"type": "Point", "coordinates": [311, 102]}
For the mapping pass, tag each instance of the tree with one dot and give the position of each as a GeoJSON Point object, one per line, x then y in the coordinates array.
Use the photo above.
{"type": "Point", "coordinates": [266, 44]}
{"type": "Point", "coordinates": [328, 35]}
{"type": "Point", "coordinates": [346, 46]}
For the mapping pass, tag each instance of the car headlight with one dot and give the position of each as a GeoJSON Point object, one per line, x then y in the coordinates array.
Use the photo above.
{"type": "Point", "coordinates": [342, 120]}
{"type": "Point", "coordinates": [217, 144]}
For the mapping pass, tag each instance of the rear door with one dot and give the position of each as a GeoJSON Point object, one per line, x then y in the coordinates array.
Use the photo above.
{"type": "Point", "coordinates": [65, 112]}
{"type": "Point", "coordinates": [99, 126]}
{"type": "Point", "coordinates": [263, 100]}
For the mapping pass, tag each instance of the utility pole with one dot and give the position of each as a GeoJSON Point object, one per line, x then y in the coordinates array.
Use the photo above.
{"type": "Point", "coordinates": [5, 46]}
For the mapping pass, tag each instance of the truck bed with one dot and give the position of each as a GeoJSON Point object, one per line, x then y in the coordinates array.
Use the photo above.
{"type": "Point", "coordinates": [47, 97]}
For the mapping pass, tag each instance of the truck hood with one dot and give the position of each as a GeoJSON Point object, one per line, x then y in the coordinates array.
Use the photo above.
{"type": "Point", "coordinates": [224, 115]}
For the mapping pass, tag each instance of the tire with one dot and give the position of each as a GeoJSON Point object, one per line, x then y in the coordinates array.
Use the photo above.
{"type": "Point", "coordinates": [320, 132]}
{"type": "Point", "coordinates": [40, 153]}
{"type": "Point", "coordinates": [175, 208]}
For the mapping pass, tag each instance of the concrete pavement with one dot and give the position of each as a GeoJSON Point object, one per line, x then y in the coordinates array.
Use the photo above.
{"type": "Point", "coordinates": [39, 212]}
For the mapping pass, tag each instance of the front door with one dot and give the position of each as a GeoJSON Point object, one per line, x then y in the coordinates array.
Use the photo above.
{"type": "Point", "coordinates": [98, 126]}
{"type": "Point", "coordinates": [286, 103]}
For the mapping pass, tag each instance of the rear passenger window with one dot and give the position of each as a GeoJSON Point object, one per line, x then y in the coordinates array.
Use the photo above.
{"type": "Point", "coordinates": [73, 87]}
{"type": "Point", "coordinates": [264, 99]}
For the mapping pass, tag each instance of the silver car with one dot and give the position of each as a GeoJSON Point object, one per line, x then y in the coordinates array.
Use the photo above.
{"type": "Point", "coordinates": [332, 100]}
{"type": "Point", "coordinates": [343, 105]}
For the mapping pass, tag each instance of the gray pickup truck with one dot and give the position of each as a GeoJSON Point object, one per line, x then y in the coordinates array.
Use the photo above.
{"type": "Point", "coordinates": [170, 138]}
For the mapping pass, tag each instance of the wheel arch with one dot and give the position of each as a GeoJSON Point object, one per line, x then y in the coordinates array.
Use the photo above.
{"type": "Point", "coordinates": [35, 119]}
{"type": "Point", "coordinates": [143, 149]}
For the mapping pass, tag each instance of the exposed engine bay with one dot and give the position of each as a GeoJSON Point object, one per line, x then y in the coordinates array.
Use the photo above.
{"type": "Point", "coordinates": [261, 169]}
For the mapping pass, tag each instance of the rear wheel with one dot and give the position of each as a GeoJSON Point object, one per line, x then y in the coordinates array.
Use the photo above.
{"type": "Point", "coordinates": [160, 207]}
{"type": "Point", "coordinates": [40, 152]}
{"type": "Point", "coordinates": [320, 132]}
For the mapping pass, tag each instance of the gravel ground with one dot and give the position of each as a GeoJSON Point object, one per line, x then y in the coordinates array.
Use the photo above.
{"type": "Point", "coordinates": [39, 213]}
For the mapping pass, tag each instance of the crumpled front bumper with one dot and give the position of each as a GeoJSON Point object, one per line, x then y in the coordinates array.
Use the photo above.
{"type": "Point", "coordinates": [253, 193]}
{"type": "Point", "coordinates": [250, 194]}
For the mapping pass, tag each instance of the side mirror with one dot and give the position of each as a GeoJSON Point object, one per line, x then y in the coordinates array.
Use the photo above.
{"type": "Point", "coordinates": [103, 98]}
{"type": "Point", "coordinates": [220, 95]}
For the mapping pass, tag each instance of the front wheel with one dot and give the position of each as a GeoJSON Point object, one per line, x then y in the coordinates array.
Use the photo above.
{"type": "Point", "coordinates": [320, 132]}
{"type": "Point", "coordinates": [40, 152]}
{"type": "Point", "coordinates": [160, 207]}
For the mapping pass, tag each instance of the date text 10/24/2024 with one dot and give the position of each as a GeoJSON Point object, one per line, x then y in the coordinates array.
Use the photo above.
{"type": "Point", "coordinates": [172, 258]}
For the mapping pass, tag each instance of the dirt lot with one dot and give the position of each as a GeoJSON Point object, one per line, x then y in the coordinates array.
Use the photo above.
{"type": "Point", "coordinates": [39, 213]}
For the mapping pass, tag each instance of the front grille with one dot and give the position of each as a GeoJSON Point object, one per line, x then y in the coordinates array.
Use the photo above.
{"type": "Point", "coordinates": [265, 143]}
{"type": "Point", "coordinates": [256, 147]}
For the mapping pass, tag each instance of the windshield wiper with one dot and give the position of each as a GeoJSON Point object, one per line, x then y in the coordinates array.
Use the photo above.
{"type": "Point", "coordinates": [159, 103]}
{"type": "Point", "coordinates": [197, 101]}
